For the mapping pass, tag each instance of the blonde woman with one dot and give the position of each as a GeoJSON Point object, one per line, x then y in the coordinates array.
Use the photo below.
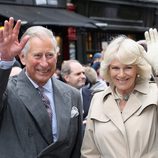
{"type": "Point", "coordinates": [123, 119]}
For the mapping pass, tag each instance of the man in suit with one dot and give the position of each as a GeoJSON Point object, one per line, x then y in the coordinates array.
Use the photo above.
{"type": "Point", "coordinates": [26, 130]}
{"type": "Point", "coordinates": [73, 73]}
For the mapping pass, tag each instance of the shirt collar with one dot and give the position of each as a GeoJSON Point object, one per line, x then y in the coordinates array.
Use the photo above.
{"type": "Point", "coordinates": [47, 86]}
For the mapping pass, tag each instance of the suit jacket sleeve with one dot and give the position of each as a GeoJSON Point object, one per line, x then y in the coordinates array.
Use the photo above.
{"type": "Point", "coordinates": [4, 76]}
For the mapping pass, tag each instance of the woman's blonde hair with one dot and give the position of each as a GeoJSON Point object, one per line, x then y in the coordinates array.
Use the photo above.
{"type": "Point", "coordinates": [128, 52]}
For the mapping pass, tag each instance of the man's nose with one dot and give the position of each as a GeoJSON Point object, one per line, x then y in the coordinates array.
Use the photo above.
{"type": "Point", "coordinates": [83, 75]}
{"type": "Point", "coordinates": [44, 61]}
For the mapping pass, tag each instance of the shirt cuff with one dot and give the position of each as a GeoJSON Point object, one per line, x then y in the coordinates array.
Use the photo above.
{"type": "Point", "coordinates": [6, 64]}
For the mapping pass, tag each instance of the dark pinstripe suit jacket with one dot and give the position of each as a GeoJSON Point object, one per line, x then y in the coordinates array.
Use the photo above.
{"type": "Point", "coordinates": [25, 129]}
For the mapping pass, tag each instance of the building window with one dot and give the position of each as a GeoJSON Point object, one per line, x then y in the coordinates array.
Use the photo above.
{"type": "Point", "coordinates": [38, 2]}
{"type": "Point", "coordinates": [53, 2]}
{"type": "Point", "coordinates": [7, 0]}
{"type": "Point", "coordinates": [45, 2]}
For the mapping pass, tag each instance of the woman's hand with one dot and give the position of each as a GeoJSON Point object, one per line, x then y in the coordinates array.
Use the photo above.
{"type": "Point", "coordinates": [151, 38]}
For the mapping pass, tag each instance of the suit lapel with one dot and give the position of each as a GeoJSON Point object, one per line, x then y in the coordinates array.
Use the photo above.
{"type": "Point", "coordinates": [62, 101]}
{"type": "Point", "coordinates": [31, 99]}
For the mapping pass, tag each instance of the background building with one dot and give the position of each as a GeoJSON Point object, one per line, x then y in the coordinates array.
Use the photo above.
{"type": "Point", "coordinates": [83, 27]}
{"type": "Point", "coordinates": [69, 27]}
{"type": "Point", "coordinates": [115, 17]}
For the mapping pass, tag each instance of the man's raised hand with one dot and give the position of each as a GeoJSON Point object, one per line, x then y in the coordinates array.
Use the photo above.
{"type": "Point", "coordinates": [9, 43]}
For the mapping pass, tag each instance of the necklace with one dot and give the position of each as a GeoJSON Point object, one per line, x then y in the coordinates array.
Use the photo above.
{"type": "Point", "coordinates": [122, 97]}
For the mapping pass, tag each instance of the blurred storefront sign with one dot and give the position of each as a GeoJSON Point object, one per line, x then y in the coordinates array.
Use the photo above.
{"type": "Point", "coordinates": [72, 33]}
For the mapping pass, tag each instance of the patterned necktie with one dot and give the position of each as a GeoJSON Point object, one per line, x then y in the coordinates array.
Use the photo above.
{"type": "Point", "coordinates": [45, 101]}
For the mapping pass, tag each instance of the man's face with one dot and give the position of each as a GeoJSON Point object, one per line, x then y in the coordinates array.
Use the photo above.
{"type": "Point", "coordinates": [40, 61]}
{"type": "Point", "coordinates": [77, 76]}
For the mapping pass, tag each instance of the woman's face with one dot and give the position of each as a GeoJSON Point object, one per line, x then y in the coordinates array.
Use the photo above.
{"type": "Point", "coordinates": [123, 76]}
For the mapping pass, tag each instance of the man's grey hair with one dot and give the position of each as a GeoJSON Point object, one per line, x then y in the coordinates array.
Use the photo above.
{"type": "Point", "coordinates": [39, 32]}
{"type": "Point", "coordinates": [66, 67]}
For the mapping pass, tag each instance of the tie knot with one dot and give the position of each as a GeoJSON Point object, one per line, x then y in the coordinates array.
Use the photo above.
{"type": "Point", "coordinates": [41, 89]}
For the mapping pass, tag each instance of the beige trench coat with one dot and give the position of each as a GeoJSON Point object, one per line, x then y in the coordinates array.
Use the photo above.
{"type": "Point", "coordinates": [130, 134]}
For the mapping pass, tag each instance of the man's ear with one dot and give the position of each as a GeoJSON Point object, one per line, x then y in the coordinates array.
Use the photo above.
{"type": "Point", "coordinates": [66, 78]}
{"type": "Point", "coordinates": [22, 58]}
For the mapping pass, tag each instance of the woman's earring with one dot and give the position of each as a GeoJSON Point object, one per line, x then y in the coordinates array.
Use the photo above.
{"type": "Point", "coordinates": [138, 75]}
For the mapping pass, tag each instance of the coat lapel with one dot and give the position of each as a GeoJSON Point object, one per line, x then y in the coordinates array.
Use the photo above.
{"type": "Point", "coordinates": [112, 111]}
{"type": "Point", "coordinates": [145, 94]}
{"type": "Point", "coordinates": [139, 99]}
{"type": "Point", "coordinates": [31, 99]}
{"type": "Point", "coordinates": [132, 105]}
{"type": "Point", "coordinates": [106, 109]}
{"type": "Point", "coordinates": [62, 101]}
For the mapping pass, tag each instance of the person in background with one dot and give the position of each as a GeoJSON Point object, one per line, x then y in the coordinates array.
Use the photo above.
{"type": "Point", "coordinates": [143, 44]}
{"type": "Point", "coordinates": [93, 85]}
{"type": "Point", "coordinates": [57, 73]}
{"type": "Point", "coordinates": [73, 73]}
{"type": "Point", "coordinates": [40, 116]}
{"type": "Point", "coordinates": [123, 119]}
{"type": "Point", "coordinates": [97, 57]}
{"type": "Point", "coordinates": [96, 66]}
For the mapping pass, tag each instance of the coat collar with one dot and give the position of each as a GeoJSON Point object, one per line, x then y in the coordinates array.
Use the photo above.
{"type": "Point", "coordinates": [107, 109]}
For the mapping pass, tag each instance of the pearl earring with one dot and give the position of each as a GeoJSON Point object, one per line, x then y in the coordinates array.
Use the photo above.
{"type": "Point", "coordinates": [138, 75]}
